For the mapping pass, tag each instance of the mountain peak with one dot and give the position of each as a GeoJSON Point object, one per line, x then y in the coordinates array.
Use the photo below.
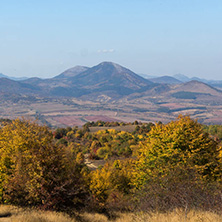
{"type": "Point", "coordinates": [72, 72]}
{"type": "Point", "coordinates": [108, 63]}
{"type": "Point", "coordinates": [110, 76]}
{"type": "Point", "coordinates": [3, 76]}
{"type": "Point", "coordinates": [166, 80]}
{"type": "Point", "coordinates": [112, 64]}
{"type": "Point", "coordinates": [181, 77]}
{"type": "Point", "coordinates": [116, 68]}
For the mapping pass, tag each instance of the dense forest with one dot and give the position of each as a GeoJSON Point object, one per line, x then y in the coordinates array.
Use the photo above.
{"type": "Point", "coordinates": [153, 167]}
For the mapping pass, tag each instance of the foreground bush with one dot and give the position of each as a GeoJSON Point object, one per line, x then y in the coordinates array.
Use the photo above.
{"type": "Point", "coordinates": [181, 188]}
{"type": "Point", "coordinates": [34, 171]}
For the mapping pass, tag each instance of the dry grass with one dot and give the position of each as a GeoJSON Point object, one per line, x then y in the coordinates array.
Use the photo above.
{"type": "Point", "coordinates": [14, 214]}
{"type": "Point", "coordinates": [42, 217]}
{"type": "Point", "coordinates": [175, 216]}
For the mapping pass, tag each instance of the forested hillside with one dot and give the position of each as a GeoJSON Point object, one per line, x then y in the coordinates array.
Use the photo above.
{"type": "Point", "coordinates": [153, 167]}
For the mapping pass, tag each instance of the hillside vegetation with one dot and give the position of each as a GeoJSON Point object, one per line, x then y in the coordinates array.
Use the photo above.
{"type": "Point", "coordinates": [155, 168]}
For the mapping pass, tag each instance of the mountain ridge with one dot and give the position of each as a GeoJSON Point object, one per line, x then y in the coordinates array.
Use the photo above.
{"type": "Point", "coordinates": [166, 80]}
{"type": "Point", "coordinates": [108, 89]}
{"type": "Point", "coordinates": [71, 72]}
{"type": "Point", "coordinates": [106, 78]}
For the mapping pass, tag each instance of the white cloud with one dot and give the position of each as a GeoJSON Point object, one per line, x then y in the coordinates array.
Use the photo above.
{"type": "Point", "coordinates": [106, 51]}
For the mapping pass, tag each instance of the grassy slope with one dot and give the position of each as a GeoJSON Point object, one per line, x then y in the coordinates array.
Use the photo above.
{"type": "Point", "coordinates": [13, 214]}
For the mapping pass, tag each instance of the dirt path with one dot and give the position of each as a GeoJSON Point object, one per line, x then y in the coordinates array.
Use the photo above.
{"type": "Point", "coordinates": [93, 164]}
{"type": "Point", "coordinates": [89, 163]}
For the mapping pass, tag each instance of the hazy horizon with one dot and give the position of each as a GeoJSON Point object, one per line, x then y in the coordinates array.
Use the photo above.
{"type": "Point", "coordinates": [161, 37]}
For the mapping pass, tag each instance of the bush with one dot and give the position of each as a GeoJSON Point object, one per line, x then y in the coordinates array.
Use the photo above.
{"type": "Point", "coordinates": [182, 188]}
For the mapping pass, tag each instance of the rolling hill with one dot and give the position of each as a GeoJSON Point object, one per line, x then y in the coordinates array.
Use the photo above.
{"type": "Point", "coordinates": [197, 87]}
{"type": "Point", "coordinates": [12, 86]}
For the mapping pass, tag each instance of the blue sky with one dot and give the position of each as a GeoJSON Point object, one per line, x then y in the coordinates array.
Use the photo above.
{"type": "Point", "coordinates": [156, 37]}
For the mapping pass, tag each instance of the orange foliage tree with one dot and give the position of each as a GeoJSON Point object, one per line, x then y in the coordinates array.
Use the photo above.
{"type": "Point", "coordinates": [34, 171]}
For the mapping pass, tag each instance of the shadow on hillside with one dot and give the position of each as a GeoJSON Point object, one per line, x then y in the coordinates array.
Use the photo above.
{"type": "Point", "coordinates": [6, 214]}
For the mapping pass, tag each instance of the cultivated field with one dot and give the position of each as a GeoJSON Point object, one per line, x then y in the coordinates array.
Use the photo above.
{"type": "Point", "coordinates": [71, 112]}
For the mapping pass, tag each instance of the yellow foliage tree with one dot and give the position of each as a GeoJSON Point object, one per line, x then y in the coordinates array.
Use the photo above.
{"type": "Point", "coordinates": [111, 178]}
{"type": "Point", "coordinates": [180, 143]}
{"type": "Point", "coordinates": [33, 170]}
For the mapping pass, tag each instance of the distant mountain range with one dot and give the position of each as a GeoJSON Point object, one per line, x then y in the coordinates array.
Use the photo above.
{"type": "Point", "coordinates": [13, 78]}
{"type": "Point", "coordinates": [110, 91]}
{"type": "Point", "coordinates": [166, 80]}
{"type": "Point", "coordinates": [179, 78]}
{"type": "Point", "coordinates": [106, 78]}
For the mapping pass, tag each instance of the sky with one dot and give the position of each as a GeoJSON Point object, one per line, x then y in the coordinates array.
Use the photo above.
{"type": "Point", "coordinates": [154, 37]}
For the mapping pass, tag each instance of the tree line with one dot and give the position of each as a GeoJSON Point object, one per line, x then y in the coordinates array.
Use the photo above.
{"type": "Point", "coordinates": [157, 166]}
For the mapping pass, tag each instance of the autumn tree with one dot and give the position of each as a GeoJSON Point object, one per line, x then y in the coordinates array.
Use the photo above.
{"type": "Point", "coordinates": [34, 171]}
{"type": "Point", "coordinates": [181, 143]}
{"type": "Point", "coordinates": [112, 182]}
{"type": "Point", "coordinates": [178, 166]}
